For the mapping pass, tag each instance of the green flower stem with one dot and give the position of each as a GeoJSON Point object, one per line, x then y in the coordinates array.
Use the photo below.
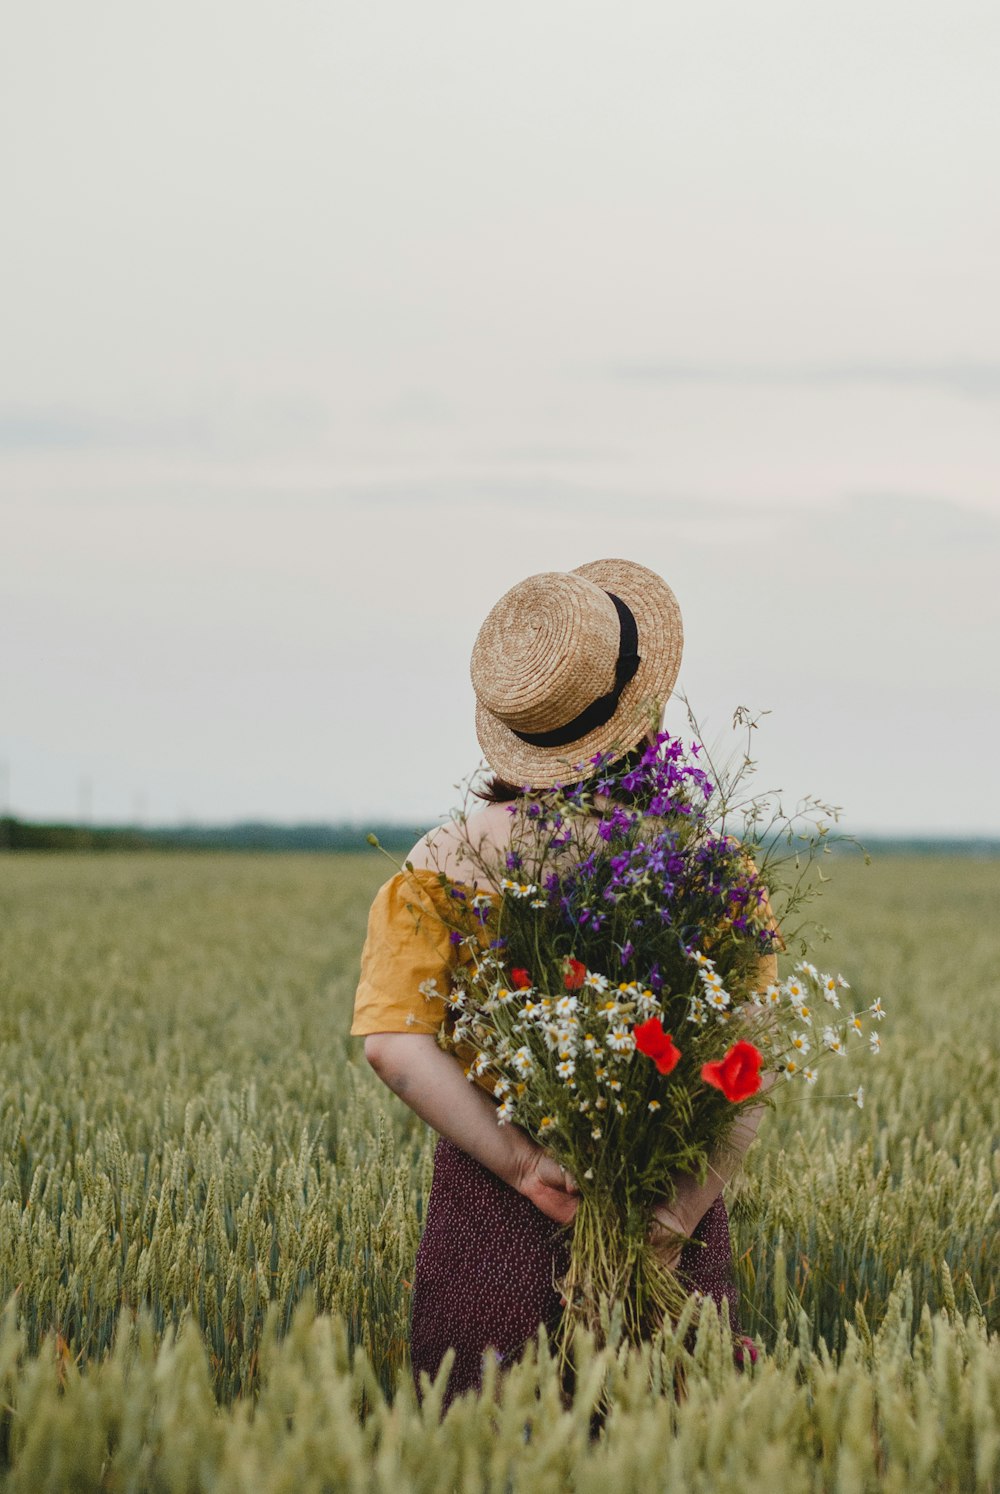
{"type": "Point", "coordinates": [613, 1262]}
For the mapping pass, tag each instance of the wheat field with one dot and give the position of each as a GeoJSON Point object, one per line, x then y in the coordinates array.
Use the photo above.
{"type": "Point", "coordinates": [209, 1209]}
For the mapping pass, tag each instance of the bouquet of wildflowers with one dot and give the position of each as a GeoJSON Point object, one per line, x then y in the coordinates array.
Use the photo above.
{"type": "Point", "coordinates": [620, 997]}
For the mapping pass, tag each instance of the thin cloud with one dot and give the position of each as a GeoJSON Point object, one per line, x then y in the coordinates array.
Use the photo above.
{"type": "Point", "coordinates": [217, 424]}
{"type": "Point", "coordinates": [967, 380]}
{"type": "Point", "coordinates": [26, 430]}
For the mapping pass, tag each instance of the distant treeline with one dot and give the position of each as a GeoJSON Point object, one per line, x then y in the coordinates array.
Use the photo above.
{"type": "Point", "coordinates": [255, 835]}
{"type": "Point", "coordinates": [20, 835]}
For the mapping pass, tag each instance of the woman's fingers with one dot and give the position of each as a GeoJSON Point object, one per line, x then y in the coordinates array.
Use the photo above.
{"type": "Point", "coordinates": [550, 1187]}
{"type": "Point", "coordinates": [556, 1174]}
{"type": "Point", "coordinates": [550, 1172]}
{"type": "Point", "coordinates": [553, 1202]}
{"type": "Point", "coordinates": [666, 1238]}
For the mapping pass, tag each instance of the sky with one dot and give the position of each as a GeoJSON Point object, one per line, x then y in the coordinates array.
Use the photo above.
{"type": "Point", "coordinates": [323, 324]}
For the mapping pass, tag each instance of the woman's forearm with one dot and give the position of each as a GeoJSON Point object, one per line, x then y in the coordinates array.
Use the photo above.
{"type": "Point", "coordinates": [432, 1084]}
{"type": "Point", "coordinates": [692, 1200]}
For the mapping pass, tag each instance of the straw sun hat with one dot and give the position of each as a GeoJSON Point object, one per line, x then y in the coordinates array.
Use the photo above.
{"type": "Point", "coordinates": [572, 663]}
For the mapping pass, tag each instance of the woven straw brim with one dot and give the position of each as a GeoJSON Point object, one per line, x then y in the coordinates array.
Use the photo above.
{"type": "Point", "coordinates": [661, 643]}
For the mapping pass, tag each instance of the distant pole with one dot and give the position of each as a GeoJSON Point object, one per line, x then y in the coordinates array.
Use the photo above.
{"type": "Point", "coordinates": [4, 803]}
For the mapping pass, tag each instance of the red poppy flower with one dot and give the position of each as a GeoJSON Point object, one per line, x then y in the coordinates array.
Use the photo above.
{"type": "Point", "coordinates": [520, 979]}
{"type": "Point", "coordinates": [576, 974]}
{"type": "Point", "coordinates": [737, 1073]}
{"type": "Point", "coordinates": [658, 1045]}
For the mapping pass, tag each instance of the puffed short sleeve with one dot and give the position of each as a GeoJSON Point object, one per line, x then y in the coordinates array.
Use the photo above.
{"type": "Point", "coordinates": [407, 945]}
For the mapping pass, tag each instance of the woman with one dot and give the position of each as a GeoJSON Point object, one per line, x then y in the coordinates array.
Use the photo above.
{"type": "Point", "coordinates": [566, 665]}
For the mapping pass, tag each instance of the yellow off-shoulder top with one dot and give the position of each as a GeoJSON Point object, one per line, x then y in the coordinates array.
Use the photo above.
{"type": "Point", "coordinates": [407, 944]}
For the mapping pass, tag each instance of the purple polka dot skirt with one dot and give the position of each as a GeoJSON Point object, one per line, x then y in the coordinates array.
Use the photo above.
{"type": "Point", "coordinates": [488, 1262]}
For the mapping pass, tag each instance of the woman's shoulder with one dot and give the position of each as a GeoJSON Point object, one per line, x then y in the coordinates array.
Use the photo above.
{"type": "Point", "coordinates": [460, 848]}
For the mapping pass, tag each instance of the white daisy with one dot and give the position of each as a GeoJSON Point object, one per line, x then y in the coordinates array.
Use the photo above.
{"type": "Point", "coordinates": [874, 1042]}
{"type": "Point", "coordinates": [829, 984]}
{"type": "Point", "coordinates": [429, 989]}
{"type": "Point", "coordinates": [565, 1068]}
{"type": "Point", "coordinates": [505, 1111]}
{"type": "Point", "coordinates": [833, 1041]}
{"type": "Point", "coordinates": [799, 1042]}
{"type": "Point", "coordinates": [621, 1040]}
{"type": "Point", "coordinates": [551, 1035]}
{"type": "Point", "coordinates": [858, 1096]}
{"type": "Point", "coordinates": [523, 1062]}
{"type": "Point", "coordinates": [876, 1010]}
{"type": "Point", "coordinates": [518, 889]}
{"type": "Point", "coordinates": [810, 1075]}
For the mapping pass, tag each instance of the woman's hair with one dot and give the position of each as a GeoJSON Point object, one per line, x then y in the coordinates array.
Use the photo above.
{"type": "Point", "coordinates": [497, 790]}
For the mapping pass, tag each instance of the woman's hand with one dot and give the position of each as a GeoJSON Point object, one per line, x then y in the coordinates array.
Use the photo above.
{"type": "Point", "coordinates": [548, 1186]}
{"type": "Point", "coordinates": [667, 1236]}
